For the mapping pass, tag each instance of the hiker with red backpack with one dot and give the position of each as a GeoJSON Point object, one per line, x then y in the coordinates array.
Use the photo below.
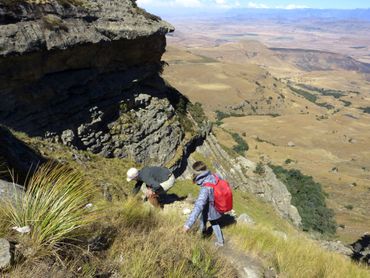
{"type": "Point", "coordinates": [215, 198]}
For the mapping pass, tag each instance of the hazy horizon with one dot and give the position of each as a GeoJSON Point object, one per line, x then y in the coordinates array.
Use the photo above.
{"type": "Point", "coordinates": [221, 6]}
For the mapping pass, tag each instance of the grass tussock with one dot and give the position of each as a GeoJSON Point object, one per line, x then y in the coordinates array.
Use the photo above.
{"type": "Point", "coordinates": [295, 257]}
{"type": "Point", "coordinates": [53, 206]}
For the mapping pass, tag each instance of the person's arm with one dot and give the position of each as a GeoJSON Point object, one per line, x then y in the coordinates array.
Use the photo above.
{"type": "Point", "coordinates": [137, 187]}
{"type": "Point", "coordinates": [198, 208]}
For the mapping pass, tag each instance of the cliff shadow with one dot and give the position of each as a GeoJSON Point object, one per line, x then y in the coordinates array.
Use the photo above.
{"type": "Point", "coordinates": [18, 157]}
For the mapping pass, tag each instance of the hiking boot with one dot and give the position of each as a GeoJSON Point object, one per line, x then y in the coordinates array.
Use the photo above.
{"type": "Point", "coordinates": [219, 245]}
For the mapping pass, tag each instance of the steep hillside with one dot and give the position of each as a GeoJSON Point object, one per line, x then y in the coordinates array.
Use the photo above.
{"type": "Point", "coordinates": [301, 118]}
{"type": "Point", "coordinates": [83, 100]}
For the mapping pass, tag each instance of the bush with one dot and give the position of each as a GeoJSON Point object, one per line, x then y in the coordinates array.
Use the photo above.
{"type": "Point", "coordinates": [260, 169]}
{"type": "Point", "coordinates": [366, 110]}
{"type": "Point", "coordinates": [53, 206]}
{"type": "Point", "coordinates": [222, 115]}
{"type": "Point", "coordinates": [288, 161]}
{"type": "Point", "coordinates": [197, 112]}
{"type": "Point", "coordinates": [241, 146]}
{"type": "Point", "coordinates": [309, 198]}
{"type": "Point", "coordinates": [349, 207]}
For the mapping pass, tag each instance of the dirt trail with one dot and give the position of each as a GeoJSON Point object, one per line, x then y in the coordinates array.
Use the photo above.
{"type": "Point", "coordinates": [246, 266]}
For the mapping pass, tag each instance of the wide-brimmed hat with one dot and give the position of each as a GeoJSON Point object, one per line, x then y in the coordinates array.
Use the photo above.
{"type": "Point", "coordinates": [132, 174]}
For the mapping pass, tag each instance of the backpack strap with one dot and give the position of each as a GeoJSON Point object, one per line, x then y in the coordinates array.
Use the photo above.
{"type": "Point", "coordinates": [217, 178]}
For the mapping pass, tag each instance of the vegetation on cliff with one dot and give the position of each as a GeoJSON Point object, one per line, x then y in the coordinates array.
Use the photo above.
{"type": "Point", "coordinates": [309, 198]}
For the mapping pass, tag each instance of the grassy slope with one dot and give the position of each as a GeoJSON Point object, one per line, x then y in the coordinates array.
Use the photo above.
{"type": "Point", "coordinates": [142, 247]}
{"type": "Point", "coordinates": [295, 256]}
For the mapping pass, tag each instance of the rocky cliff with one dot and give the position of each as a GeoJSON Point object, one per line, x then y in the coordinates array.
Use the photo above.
{"type": "Point", "coordinates": [86, 74]}
{"type": "Point", "coordinates": [240, 172]}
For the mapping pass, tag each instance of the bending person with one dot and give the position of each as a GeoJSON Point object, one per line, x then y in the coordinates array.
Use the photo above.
{"type": "Point", "coordinates": [152, 181]}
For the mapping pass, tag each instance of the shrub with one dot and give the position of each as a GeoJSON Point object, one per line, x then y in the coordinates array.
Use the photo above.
{"type": "Point", "coordinates": [221, 115]}
{"type": "Point", "coordinates": [307, 95]}
{"type": "Point", "coordinates": [309, 198]}
{"type": "Point", "coordinates": [288, 161]}
{"type": "Point", "coordinates": [181, 108]}
{"type": "Point", "coordinates": [349, 207]}
{"type": "Point", "coordinates": [260, 169]}
{"type": "Point", "coordinates": [241, 146]}
{"type": "Point", "coordinates": [366, 110]}
{"type": "Point", "coordinates": [53, 206]}
{"type": "Point", "coordinates": [197, 112]}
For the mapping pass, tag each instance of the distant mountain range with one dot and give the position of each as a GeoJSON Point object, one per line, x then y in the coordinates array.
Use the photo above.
{"type": "Point", "coordinates": [357, 14]}
{"type": "Point", "coordinates": [248, 13]}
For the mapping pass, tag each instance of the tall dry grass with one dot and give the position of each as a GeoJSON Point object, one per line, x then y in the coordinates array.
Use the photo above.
{"type": "Point", "coordinates": [153, 245]}
{"type": "Point", "coordinates": [296, 256]}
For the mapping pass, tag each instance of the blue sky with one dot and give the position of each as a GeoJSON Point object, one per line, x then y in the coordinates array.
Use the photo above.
{"type": "Point", "coordinates": [225, 4]}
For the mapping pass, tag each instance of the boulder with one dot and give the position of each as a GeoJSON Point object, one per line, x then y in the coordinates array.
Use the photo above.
{"type": "Point", "coordinates": [337, 247]}
{"type": "Point", "coordinates": [6, 255]}
{"type": "Point", "coordinates": [245, 219]}
{"type": "Point", "coordinates": [9, 191]}
{"type": "Point", "coordinates": [291, 144]}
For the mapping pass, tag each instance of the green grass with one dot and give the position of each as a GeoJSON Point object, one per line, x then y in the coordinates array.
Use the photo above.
{"type": "Point", "coordinates": [53, 207]}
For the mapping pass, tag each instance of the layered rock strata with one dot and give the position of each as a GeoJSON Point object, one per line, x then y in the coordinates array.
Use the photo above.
{"type": "Point", "coordinates": [87, 75]}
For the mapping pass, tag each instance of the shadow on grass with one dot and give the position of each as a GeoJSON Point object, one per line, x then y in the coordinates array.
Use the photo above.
{"type": "Point", "coordinates": [224, 221]}
{"type": "Point", "coordinates": [167, 199]}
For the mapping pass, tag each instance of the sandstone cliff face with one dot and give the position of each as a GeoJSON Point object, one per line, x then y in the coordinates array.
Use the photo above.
{"type": "Point", "coordinates": [88, 76]}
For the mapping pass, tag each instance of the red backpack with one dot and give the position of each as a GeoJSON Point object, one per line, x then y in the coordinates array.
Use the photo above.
{"type": "Point", "coordinates": [223, 195]}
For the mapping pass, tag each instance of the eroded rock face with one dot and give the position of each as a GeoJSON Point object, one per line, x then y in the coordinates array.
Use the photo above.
{"type": "Point", "coordinates": [89, 77]}
{"type": "Point", "coordinates": [240, 173]}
